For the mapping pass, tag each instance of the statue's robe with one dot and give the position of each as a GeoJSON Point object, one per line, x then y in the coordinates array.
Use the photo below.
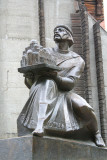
{"type": "Point", "coordinates": [53, 106]}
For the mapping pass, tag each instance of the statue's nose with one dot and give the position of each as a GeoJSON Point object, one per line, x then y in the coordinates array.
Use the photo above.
{"type": "Point", "coordinates": [56, 32]}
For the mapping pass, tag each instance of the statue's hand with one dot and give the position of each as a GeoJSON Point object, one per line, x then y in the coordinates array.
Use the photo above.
{"type": "Point", "coordinates": [29, 75]}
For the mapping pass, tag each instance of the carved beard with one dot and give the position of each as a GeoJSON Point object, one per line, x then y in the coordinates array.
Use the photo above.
{"type": "Point", "coordinates": [57, 37]}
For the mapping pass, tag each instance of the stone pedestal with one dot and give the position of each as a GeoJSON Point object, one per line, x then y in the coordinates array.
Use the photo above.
{"type": "Point", "coordinates": [49, 148]}
{"type": "Point", "coordinates": [16, 148]}
{"type": "Point", "coordinates": [64, 149]}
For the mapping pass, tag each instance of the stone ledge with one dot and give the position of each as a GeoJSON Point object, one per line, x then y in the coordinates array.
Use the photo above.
{"type": "Point", "coordinates": [16, 148]}
{"type": "Point", "coordinates": [49, 148]}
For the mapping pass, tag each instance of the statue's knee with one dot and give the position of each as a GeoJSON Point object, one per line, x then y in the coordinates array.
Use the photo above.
{"type": "Point", "coordinates": [85, 108]}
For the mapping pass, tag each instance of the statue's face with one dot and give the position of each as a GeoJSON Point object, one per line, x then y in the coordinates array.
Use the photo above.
{"type": "Point", "coordinates": [60, 33]}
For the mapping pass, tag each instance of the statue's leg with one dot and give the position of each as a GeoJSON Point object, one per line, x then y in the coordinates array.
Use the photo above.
{"type": "Point", "coordinates": [47, 96]}
{"type": "Point", "coordinates": [86, 113]}
{"type": "Point", "coordinates": [41, 118]}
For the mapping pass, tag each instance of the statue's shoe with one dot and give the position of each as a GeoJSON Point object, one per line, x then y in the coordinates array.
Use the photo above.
{"type": "Point", "coordinates": [98, 140]}
{"type": "Point", "coordinates": [38, 132]}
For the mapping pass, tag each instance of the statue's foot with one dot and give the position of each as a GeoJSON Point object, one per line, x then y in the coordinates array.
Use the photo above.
{"type": "Point", "coordinates": [38, 132]}
{"type": "Point", "coordinates": [98, 140]}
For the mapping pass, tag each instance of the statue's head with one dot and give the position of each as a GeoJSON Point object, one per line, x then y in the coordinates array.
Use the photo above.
{"type": "Point", "coordinates": [63, 33]}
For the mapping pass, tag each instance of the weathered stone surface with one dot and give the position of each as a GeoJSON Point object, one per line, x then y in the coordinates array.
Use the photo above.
{"type": "Point", "coordinates": [93, 72]}
{"type": "Point", "coordinates": [49, 148]}
{"type": "Point", "coordinates": [19, 24]}
{"type": "Point", "coordinates": [63, 149]}
{"type": "Point", "coordinates": [56, 12]}
{"type": "Point", "coordinates": [16, 148]}
{"type": "Point", "coordinates": [100, 50]}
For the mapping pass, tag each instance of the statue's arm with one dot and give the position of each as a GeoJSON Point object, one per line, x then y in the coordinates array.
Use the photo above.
{"type": "Point", "coordinates": [68, 82]}
{"type": "Point", "coordinates": [29, 79]}
{"type": "Point", "coordinates": [65, 83]}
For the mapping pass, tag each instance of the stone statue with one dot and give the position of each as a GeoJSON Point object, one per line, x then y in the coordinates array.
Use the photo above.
{"type": "Point", "coordinates": [52, 104]}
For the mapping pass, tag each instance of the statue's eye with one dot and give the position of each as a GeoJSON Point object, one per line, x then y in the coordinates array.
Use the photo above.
{"type": "Point", "coordinates": [60, 29]}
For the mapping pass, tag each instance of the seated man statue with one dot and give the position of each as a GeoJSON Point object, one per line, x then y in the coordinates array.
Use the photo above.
{"type": "Point", "coordinates": [52, 104]}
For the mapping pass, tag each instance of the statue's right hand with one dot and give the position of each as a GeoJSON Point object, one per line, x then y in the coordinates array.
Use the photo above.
{"type": "Point", "coordinates": [29, 75]}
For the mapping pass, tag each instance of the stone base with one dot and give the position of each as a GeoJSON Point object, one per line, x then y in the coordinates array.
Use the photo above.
{"type": "Point", "coordinates": [65, 149]}
{"type": "Point", "coordinates": [16, 148]}
{"type": "Point", "coordinates": [49, 148]}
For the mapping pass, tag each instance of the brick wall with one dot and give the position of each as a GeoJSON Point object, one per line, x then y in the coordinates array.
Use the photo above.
{"type": "Point", "coordinates": [86, 52]}
{"type": "Point", "coordinates": [95, 8]}
{"type": "Point", "coordinates": [77, 47]}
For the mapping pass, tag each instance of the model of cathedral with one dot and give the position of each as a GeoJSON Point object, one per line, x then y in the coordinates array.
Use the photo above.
{"type": "Point", "coordinates": [35, 54]}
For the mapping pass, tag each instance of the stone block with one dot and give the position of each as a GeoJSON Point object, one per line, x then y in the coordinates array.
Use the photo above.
{"type": "Point", "coordinates": [21, 19]}
{"type": "Point", "coordinates": [49, 148]}
{"type": "Point", "coordinates": [16, 148]}
{"type": "Point", "coordinates": [65, 149]}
